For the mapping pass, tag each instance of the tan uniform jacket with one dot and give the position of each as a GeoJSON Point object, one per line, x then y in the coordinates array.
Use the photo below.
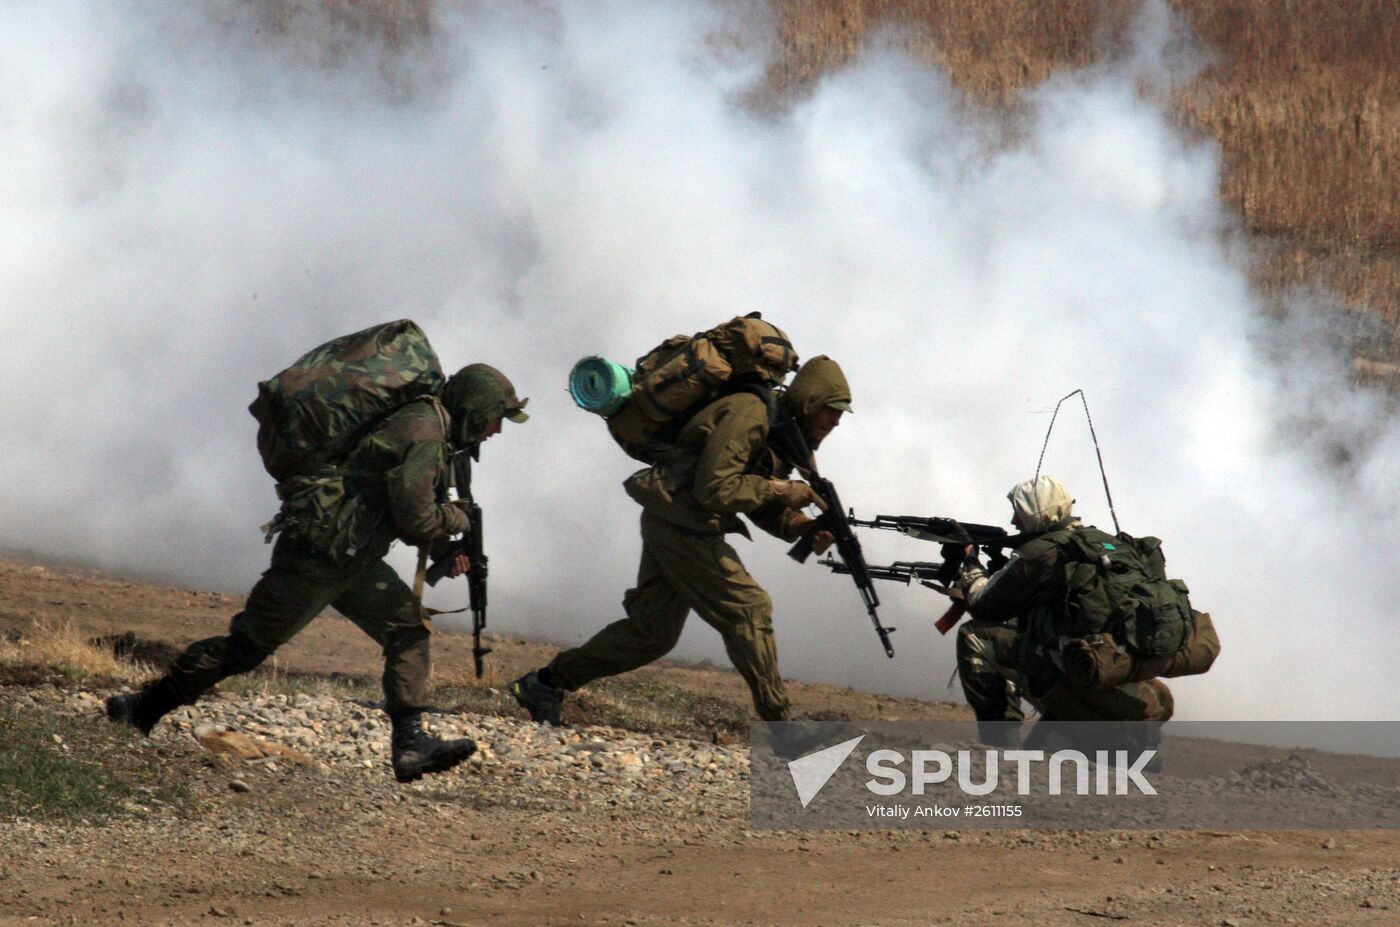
{"type": "Point", "coordinates": [719, 471]}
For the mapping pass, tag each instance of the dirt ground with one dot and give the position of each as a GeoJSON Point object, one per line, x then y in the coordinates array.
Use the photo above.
{"type": "Point", "coordinates": [107, 605]}
{"type": "Point", "coordinates": [301, 845]}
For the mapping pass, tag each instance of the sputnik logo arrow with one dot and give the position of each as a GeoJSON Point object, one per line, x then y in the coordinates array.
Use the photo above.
{"type": "Point", "coordinates": [811, 772]}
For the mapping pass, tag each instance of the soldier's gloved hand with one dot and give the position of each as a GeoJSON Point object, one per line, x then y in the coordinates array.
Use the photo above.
{"type": "Point", "coordinates": [971, 573]}
{"type": "Point", "coordinates": [794, 494]}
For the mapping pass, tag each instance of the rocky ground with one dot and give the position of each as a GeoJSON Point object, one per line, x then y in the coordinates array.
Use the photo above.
{"type": "Point", "coordinates": [291, 817]}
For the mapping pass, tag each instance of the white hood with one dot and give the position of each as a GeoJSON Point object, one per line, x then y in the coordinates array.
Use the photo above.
{"type": "Point", "coordinates": [1042, 503]}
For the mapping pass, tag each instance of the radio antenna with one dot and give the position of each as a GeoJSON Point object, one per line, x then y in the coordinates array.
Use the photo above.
{"type": "Point", "coordinates": [1107, 492]}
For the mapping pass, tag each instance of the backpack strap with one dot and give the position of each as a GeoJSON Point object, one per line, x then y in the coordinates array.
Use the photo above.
{"type": "Point", "coordinates": [766, 393]}
{"type": "Point", "coordinates": [776, 442]}
{"type": "Point", "coordinates": [444, 417]}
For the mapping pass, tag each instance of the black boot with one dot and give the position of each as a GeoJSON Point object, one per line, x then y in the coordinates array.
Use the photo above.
{"type": "Point", "coordinates": [540, 698]}
{"type": "Point", "coordinates": [143, 710]}
{"type": "Point", "coordinates": [416, 752]}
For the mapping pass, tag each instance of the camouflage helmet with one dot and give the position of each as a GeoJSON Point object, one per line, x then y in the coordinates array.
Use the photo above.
{"type": "Point", "coordinates": [476, 396]}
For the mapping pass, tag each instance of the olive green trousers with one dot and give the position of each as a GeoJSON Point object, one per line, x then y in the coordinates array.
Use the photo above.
{"type": "Point", "coordinates": [995, 678]}
{"type": "Point", "coordinates": [684, 571]}
{"type": "Point", "coordinates": [298, 586]}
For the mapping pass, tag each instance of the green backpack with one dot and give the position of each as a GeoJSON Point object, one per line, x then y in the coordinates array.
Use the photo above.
{"type": "Point", "coordinates": [313, 413]}
{"type": "Point", "coordinates": [1117, 585]}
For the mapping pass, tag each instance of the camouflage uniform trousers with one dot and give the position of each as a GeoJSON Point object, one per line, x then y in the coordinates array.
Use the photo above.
{"type": "Point", "coordinates": [995, 678]}
{"type": "Point", "coordinates": [297, 587]}
{"type": "Point", "coordinates": [683, 570]}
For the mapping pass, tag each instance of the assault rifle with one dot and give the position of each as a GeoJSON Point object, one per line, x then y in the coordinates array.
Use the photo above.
{"type": "Point", "coordinates": [954, 536]}
{"type": "Point", "coordinates": [470, 544]}
{"type": "Point", "coordinates": [936, 576]}
{"type": "Point", "coordinates": [788, 439]}
{"type": "Point", "coordinates": [901, 571]}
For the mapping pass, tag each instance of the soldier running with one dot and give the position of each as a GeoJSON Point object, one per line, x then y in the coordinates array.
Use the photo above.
{"type": "Point", "coordinates": [723, 468]}
{"type": "Point", "coordinates": [331, 554]}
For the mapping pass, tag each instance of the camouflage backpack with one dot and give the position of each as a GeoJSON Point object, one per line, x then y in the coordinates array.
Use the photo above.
{"type": "Point", "coordinates": [1117, 585]}
{"type": "Point", "coordinates": [684, 373]}
{"type": "Point", "coordinates": [314, 412]}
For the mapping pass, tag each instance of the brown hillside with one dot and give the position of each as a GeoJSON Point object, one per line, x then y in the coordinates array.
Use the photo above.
{"type": "Point", "coordinates": [1303, 98]}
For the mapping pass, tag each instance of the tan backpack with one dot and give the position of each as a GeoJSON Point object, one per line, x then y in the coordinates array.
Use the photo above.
{"type": "Point", "coordinates": [684, 373]}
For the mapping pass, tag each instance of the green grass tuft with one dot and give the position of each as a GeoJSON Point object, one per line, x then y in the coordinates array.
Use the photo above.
{"type": "Point", "coordinates": [103, 773]}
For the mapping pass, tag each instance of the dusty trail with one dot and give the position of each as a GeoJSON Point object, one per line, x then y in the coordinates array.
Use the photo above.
{"type": "Point", "coordinates": [593, 825]}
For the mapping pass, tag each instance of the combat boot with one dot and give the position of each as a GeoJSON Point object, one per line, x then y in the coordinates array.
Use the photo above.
{"type": "Point", "coordinates": [798, 736]}
{"type": "Point", "coordinates": [416, 752]}
{"type": "Point", "coordinates": [143, 710]}
{"type": "Point", "coordinates": [541, 700]}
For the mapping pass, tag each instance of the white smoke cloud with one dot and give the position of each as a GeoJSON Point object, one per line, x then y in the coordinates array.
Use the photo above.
{"type": "Point", "coordinates": [190, 204]}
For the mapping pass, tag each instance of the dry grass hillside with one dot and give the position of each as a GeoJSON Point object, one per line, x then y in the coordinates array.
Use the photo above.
{"type": "Point", "coordinates": [1303, 97]}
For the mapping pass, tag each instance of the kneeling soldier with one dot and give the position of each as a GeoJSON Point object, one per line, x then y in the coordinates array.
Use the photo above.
{"type": "Point", "coordinates": [1021, 642]}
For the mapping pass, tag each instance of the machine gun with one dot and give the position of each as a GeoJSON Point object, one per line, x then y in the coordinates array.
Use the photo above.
{"type": "Point", "coordinates": [469, 544]}
{"type": "Point", "coordinates": [788, 439]}
{"type": "Point", "coordinates": [954, 536]}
